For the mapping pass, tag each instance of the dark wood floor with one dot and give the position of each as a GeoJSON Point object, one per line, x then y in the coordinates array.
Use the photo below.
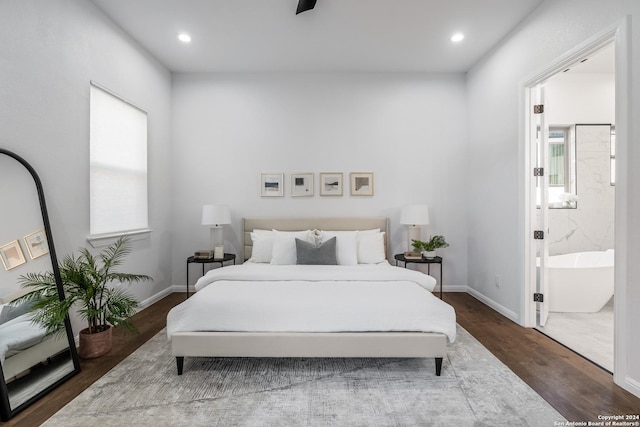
{"type": "Point", "coordinates": [578, 389]}
{"type": "Point", "coordinates": [149, 322]}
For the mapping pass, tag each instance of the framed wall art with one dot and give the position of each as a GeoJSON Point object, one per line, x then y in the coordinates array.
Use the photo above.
{"type": "Point", "coordinates": [36, 244]}
{"type": "Point", "coordinates": [331, 183]}
{"type": "Point", "coordinates": [361, 183]}
{"type": "Point", "coordinates": [302, 184]}
{"type": "Point", "coordinates": [11, 255]}
{"type": "Point", "coordinates": [272, 184]}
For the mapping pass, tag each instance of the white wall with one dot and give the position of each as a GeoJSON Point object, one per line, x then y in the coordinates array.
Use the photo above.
{"type": "Point", "coordinates": [409, 129]}
{"type": "Point", "coordinates": [584, 98]}
{"type": "Point", "coordinates": [580, 98]}
{"type": "Point", "coordinates": [591, 225]}
{"type": "Point", "coordinates": [495, 101]}
{"type": "Point", "coordinates": [49, 53]}
{"type": "Point", "coordinates": [19, 216]}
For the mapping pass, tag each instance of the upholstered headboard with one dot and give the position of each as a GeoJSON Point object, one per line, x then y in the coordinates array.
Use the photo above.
{"type": "Point", "coordinates": [14, 295]}
{"type": "Point", "coordinates": [313, 223]}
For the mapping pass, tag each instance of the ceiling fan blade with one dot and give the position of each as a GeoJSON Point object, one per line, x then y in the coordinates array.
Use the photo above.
{"type": "Point", "coordinates": [304, 5]}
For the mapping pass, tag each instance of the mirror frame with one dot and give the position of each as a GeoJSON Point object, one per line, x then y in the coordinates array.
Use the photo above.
{"type": "Point", "coordinates": [6, 411]}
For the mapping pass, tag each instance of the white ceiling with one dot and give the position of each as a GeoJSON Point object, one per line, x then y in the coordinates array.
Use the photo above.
{"type": "Point", "coordinates": [338, 35]}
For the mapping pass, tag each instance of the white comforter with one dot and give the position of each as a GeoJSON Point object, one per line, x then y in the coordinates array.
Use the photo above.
{"type": "Point", "coordinates": [19, 334]}
{"type": "Point", "coordinates": [382, 272]}
{"type": "Point", "coordinates": [293, 298]}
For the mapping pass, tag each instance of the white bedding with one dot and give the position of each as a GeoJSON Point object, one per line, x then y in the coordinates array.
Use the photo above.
{"type": "Point", "coordinates": [19, 334]}
{"type": "Point", "coordinates": [295, 298]}
{"type": "Point", "coordinates": [381, 272]}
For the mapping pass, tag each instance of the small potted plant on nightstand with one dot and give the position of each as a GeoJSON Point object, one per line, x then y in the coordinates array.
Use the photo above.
{"type": "Point", "coordinates": [429, 248]}
{"type": "Point", "coordinates": [86, 281]}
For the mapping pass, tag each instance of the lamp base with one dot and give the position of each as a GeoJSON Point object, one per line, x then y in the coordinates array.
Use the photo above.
{"type": "Point", "coordinates": [414, 234]}
{"type": "Point", "coordinates": [217, 237]}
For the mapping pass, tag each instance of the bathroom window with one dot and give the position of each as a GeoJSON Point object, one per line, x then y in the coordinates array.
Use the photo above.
{"type": "Point", "coordinates": [558, 158]}
{"type": "Point", "coordinates": [562, 168]}
{"type": "Point", "coordinates": [613, 156]}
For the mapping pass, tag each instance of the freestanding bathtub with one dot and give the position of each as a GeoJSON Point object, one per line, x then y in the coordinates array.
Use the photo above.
{"type": "Point", "coordinates": [580, 282]}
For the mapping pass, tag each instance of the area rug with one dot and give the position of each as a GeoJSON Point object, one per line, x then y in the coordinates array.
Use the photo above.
{"type": "Point", "coordinates": [475, 389]}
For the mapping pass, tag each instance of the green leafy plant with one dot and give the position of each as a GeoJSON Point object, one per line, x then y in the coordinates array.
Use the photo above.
{"type": "Point", "coordinates": [434, 243]}
{"type": "Point", "coordinates": [86, 281]}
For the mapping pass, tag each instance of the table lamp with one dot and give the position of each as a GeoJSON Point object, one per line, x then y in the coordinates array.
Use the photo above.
{"type": "Point", "coordinates": [216, 216]}
{"type": "Point", "coordinates": [414, 216]}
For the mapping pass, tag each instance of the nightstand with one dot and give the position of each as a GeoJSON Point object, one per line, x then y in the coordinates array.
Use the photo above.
{"type": "Point", "coordinates": [423, 260]}
{"type": "Point", "coordinates": [191, 259]}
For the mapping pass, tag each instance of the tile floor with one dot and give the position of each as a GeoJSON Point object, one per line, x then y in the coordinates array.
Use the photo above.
{"type": "Point", "coordinates": [589, 334]}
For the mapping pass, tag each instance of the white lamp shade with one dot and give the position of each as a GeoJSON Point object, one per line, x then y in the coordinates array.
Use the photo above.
{"type": "Point", "coordinates": [414, 215]}
{"type": "Point", "coordinates": [215, 215]}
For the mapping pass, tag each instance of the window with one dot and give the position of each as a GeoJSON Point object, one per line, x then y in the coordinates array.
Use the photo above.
{"type": "Point", "coordinates": [613, 156]}
{"type": "Point", "coordinates": [118, 165]}
{"type": "Point", "coordinates": [558, 138]}
{"type": "Point", "coordinates": [562, 168]}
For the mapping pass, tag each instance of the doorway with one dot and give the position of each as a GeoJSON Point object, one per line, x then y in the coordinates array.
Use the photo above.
{"type": "Point", "coordinates": [561, 142]}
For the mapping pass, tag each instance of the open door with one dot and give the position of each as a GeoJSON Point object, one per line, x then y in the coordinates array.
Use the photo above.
{"type": "Point", "coordinates": [535, 216]}
{"type": "Point", "coordinates": [541, 130]}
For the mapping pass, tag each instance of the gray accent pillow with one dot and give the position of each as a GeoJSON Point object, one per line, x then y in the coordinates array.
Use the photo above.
{"type": "Point", "coordinates": [310, 254]}
{"type": "Point", "coordinates": [10, 311]}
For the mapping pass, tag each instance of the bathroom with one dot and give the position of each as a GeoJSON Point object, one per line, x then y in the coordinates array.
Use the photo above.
{"type": "Point", "coordinates": [581, 118]}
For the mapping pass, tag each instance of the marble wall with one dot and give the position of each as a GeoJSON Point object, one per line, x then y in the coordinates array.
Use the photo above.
{"type": "Point", "coordinates": [590, 227]}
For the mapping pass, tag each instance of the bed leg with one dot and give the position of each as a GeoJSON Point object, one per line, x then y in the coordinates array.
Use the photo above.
{"type": "Point", "coordinates": [438, 366]}
{"type": "Point", "coordinates": [180, 364]}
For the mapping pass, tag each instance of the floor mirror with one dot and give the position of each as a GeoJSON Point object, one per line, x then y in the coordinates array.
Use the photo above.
{"type": "Point", "coordinates": [32, 363]}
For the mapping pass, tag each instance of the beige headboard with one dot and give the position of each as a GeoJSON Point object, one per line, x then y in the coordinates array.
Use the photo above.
{"type": "Point", "coordinates": [313, 223]}
{"type": "Point", "coordinates": [14, 295]}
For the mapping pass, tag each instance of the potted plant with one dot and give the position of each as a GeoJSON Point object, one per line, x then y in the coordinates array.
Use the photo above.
{"type": "Point", "coordinates": [86, 279]}
{"type": "Point", "coordinates": [429, 248]}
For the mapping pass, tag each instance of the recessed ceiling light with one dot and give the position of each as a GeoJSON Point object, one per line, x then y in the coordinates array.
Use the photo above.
{"type": "Point", "coordinates": [184, 37]}
{"type": "Point", "coordinates": [457, 37]}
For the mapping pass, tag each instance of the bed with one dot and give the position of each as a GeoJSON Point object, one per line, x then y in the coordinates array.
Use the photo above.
{"type": "Point", "coordinates": [23, 343]}
{"type": "Point", "coordinates": [271, 307]}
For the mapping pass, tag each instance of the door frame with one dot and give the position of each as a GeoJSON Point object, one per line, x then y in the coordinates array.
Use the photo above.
{"type": "Point", "coordinates": [619, 35]}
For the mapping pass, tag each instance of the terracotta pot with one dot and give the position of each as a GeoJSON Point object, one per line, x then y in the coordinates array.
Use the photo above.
{"type": "Point", "coordinates": [94, 345]}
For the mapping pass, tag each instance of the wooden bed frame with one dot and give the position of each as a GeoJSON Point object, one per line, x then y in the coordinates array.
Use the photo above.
{"type": "Point", "coordinates": [342, 344]}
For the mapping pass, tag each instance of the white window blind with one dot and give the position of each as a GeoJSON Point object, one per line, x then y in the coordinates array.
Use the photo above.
{"type": "Point", "coordinates": [118, 165]}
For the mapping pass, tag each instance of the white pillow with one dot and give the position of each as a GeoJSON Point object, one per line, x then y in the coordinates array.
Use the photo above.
{"type": "Point", "coordinates": [346, 245]}
{"type": "Point", "coordinates": [284, 245]}
{"type": "Point", "coordinates": [262, 246]}
{"type": "Point", "coordinates": [364, 233]}
{"type": "Point", "coordinates": [372, 231]}
{"type": "Point", "coordinates": [371, 248]}
{"type": "Point", "coordinates": [257, 231]}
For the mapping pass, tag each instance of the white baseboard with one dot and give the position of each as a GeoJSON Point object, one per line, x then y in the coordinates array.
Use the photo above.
{"type": "Point", "coordinates": [181, 288]}
{"type": "Point", "coordinates": [452, 288]}
{"type": "Point", "coordinates": [157, 297]}
{"type": "Point", "coordinates": [632, 386]}
{"type": "Point", "coordinates": [148, 302]}
{"type": "Point", "coordinates": [509, 314]}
